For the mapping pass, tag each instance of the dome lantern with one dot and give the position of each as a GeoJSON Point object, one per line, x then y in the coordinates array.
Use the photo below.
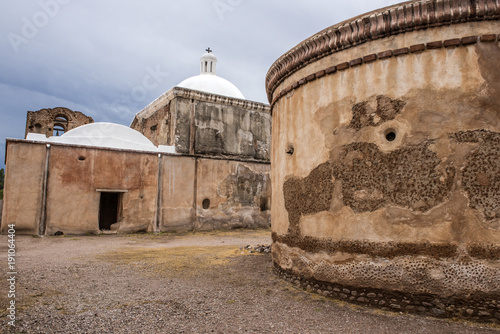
{"type": "Point", "coordinates": [208, 63]}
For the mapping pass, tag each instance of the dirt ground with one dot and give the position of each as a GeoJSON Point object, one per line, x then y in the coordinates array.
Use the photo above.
{"type": "Point", "coordinates": [190, 283]}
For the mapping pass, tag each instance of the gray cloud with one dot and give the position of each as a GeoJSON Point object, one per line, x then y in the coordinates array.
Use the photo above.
{"type": "Point", "coordinates": [94, 56]}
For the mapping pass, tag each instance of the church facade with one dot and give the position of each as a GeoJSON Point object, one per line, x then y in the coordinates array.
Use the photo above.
{"type": "Point", "coordinates": [196, 158]}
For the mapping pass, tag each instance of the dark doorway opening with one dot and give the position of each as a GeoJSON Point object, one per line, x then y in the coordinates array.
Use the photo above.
{"type": "Point", "coordinates": [108, 210]}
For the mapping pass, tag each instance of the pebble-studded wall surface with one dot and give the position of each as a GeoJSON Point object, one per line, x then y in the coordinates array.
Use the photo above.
{"type": "Point", "coordinates": [386, 160]}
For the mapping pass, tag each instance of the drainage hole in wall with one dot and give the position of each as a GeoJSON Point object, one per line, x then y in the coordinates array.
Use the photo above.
{"type": "Point", "coordinates": [206, 203]}
{"type": "Point", "coordinates": [81, 158]}
{"type": "Point", "coordinates": [290, 150]}
{"type": "Point", "coordinates": [390, 136]}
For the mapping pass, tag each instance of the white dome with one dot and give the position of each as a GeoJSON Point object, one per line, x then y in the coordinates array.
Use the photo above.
{"type": "Point", "coordinates": [211, 83]}
{"type": "Point", "coordinates": [208, 81]}
{"type": "Point", "coordinates": [106, 135]}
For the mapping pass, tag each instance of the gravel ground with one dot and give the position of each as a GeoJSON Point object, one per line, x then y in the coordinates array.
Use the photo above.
{"type": "Point", "coordinates": [191, 283]}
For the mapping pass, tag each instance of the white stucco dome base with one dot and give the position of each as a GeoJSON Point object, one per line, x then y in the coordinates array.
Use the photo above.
{"type": "Point", "coordinates": [110, 135]}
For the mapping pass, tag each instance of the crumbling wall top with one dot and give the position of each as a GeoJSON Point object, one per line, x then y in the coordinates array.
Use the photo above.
{"type": "Point", "coordinates": [55, 121]}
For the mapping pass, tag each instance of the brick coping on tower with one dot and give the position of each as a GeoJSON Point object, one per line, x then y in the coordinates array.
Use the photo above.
{"type": "Point", "coordinates": [417, 48]}
{"type": "Point", "coordinates": [389, 21]}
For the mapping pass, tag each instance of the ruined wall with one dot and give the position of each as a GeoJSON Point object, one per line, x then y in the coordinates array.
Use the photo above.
{"type": "Point", "coordinates": [206, 124]}
{"type": "Point", "coordinates": [221, 129]}
{"type": "Point", "coordinates": [77, 173]}
{"type": "Point", "coordinates": [386, 156]}
{"type": "Point", "coordinates": [232, 194]}
{"type": "Point", "coordinates": [156, 127]}
{"type": "Point", "coordinates": [193, 193]}
{"type": "Point", "coordinates": [24, 170]}
{"type": "Point", "coordinates": [47, 121]}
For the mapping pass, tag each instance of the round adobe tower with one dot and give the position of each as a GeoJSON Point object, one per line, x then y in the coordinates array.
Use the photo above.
{"type": "Point", "coordinates": [386, 159]}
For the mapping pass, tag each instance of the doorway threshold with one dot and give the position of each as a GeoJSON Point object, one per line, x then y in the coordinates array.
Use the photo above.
{"type": "Point", "coordinates": [108, 232]}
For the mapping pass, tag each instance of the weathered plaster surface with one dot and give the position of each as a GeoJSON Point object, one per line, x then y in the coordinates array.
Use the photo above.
{"type": "Point", "coordinates": [238, 193]}
{"type": "Point", "coordinates": [23, 187]}
{"type": "Point", "coordinates": [77, 173]}
{"type": "Point", "coordinates": [157, 127]}
{"type": "Point", "coordinates": [178, 182]}
{"type": "Point", "coordinates": [193, 193]}
{"type": "Point", "coordinates": [385, 170]}
{"type": "Point", "coordinates": [222, 130]}
{"type": "Point", "coordinates": [206, 124]}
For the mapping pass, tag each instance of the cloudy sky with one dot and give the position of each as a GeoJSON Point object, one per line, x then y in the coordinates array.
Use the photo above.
{"type": "Point", "coordinates": [109, 59]}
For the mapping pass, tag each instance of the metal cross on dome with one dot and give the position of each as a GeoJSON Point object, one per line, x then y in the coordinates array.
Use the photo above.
{"type": "Point", "coordinates": [208, 50]}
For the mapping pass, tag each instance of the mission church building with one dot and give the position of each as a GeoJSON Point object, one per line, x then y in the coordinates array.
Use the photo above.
{"type": "Point", "coordinates": [196, 158]}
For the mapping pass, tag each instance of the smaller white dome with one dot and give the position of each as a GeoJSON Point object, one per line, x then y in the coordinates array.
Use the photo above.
{"type": "Point", "coordinates": [109, 135]}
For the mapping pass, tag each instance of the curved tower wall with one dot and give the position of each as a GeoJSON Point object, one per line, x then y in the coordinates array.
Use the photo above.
{"type": "Point", "coordinates": [386, 159]}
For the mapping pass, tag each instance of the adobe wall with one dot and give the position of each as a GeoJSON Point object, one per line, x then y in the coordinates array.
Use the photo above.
{"type": "Point", "coordinates": [24, 174]}
{"type": "Point", "coordinates": [57, 187]}
{"type": "Point", "coordinates": [76, 176]}
{"type": "Point", "coordinates": [386, 156]}
{"type": "Point", "coordinates": [177, 195]}
{"type": "Point", "coordinates": [232, 194]}
{"type": "Point", "coordinates": [156, 127]}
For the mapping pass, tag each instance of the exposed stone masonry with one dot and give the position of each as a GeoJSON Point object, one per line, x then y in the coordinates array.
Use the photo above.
{"type": "Point", "coordinates": [406, 177]}
{"type": "Point", "coordinates": [310, 195]}
{"type": "Point", "coordinates": [481, 308]}
{"type": "Point", "coordinates": [364, 115]}
{"type": "Point", "coordinates": [59, 120]}
{"type": "Point", "coordinates": [370, 179]}
{"type": "Point", "coordinates": [481, 175]}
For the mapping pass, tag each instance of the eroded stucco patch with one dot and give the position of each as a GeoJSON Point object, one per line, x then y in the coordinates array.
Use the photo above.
{"type": "Point", "coordinates": [371, 179]}
{"type": "Point", "coordinates": [386, 109]}
{"type": "Point", "coordinates": [481, 174]}
{"type": "Point", "coordinates": [408, 274]}
{"type": "Point", "coordinates": [246, 188]}
{"type": "Point", "coordinates": [407, 177]}
{"type": "Point", "coordinates": [311, 194]}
